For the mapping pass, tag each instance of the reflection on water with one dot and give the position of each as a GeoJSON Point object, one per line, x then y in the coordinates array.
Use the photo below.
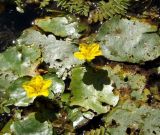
{"type": "Point", "coordinates": [12, 23]}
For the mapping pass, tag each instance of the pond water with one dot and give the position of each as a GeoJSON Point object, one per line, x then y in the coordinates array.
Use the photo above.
{"type": "Point", "coordinates": [12, 22]}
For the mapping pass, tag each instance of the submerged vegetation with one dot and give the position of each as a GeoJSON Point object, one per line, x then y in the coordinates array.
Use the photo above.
{"type": "Point", "coordinates": [80, 67]}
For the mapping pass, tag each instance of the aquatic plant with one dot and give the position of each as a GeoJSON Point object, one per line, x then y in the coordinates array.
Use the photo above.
{"type": "Point", "coordinates": [64, 75]}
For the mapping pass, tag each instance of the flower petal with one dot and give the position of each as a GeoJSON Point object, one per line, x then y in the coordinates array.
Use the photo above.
{"type": "Point", "coordinates": [79, 55]}
{"type": "Point", "coordinates": [29, 90]}
{"type": "Point", "coordinates": [46, 84]}
{"type": "Point", "coordinates": [90, 57]}
{"type": "Point", "coordinates": [83, 47]}
{"type": "Point", "coordinates": [94, 47]}
{"type": "Point", "coordinates": [98, 53]}
{"type": "Point", "coordinates": [31, 94]}
{"type": "Point", "coordinates": [44, 92]}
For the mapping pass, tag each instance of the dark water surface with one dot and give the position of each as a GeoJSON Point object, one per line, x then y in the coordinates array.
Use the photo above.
{"type": "Point", "coordinates": [12, 23]}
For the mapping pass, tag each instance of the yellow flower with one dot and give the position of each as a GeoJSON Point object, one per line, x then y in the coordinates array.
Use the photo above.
{"type": "Point", "coordinates": [88, 52]}
{"type": "Point", "coordinates": [37, 86]}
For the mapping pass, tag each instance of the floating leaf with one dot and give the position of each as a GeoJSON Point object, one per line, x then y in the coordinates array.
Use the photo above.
{"type": "Point", "coordinates": [58, 53]}
{"type": "Point", "coordinates": [129, 40]}
{"type": "Point", "coordinates": [20, 60]}
{"type": "Point", "coordinates": [31, 126]}
{"type": "Point", "coordinates": [6, 78]}
{"type": "Point", "coordinates": [78, 117]}
{"type": "Point", "coordinates": [61, 26]}
{"type": "Point", "coordinates": [126, 78]}
{"type": "Point", "coordinates": [17, 94]}
{"type": "Point", "coordinates": [92, 90]}
{"type": "Point", "coordinates": [57, 84]}
{"type": "Point", "coordinates": [19, 97]}
{"type": "Point", "coordinates": [16, 61]}
{"type": "Point", "coordinates": [145, 120]}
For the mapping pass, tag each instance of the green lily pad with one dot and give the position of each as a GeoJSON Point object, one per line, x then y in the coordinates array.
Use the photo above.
{"type": "Point", "coordinates": [17, 94]}
{"type": "Point", "coordinates": [144, 119]}
{"type": "Point", "coordinates": [92, 90]}
{"type": "Point", "coordinates": [62, 26]}
{"type": "Point", "coordinates": [129, 40]}
{"type": "Point", "coordinates": [6, 78]}
{"type": "Point", "coordinates": [31, 126]}
{"type": "Point", "coordinates": [58, 53]}
{"type": "Point", "coordinates": [16, 61]}
{"type": "Point", "coordinates": [126, 78]}
{"type": "Point", "coordinates": [57, 83]}
{"type": "Point", "coordinates": [20, 60]}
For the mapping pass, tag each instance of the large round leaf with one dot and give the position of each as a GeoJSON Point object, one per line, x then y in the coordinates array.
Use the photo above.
{"type": "Point", "coordinates": [129, 40]}
{"type": "Point", "coordinates": [19, 97]}
{"type": "Point", "coordinates": [17, 94]}
{"type": "Point", "coordinates": [20, 60]}
{"type": "Point", "coordinates": [62, 26]}
{"type": "Point", "coordinates": [92, 90]}
{"type": "Point", "coordinates": [17, 61]}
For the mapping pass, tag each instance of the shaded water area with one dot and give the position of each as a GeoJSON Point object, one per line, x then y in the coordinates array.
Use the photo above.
{"type": "Point", "coordinates": [12, 23]}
